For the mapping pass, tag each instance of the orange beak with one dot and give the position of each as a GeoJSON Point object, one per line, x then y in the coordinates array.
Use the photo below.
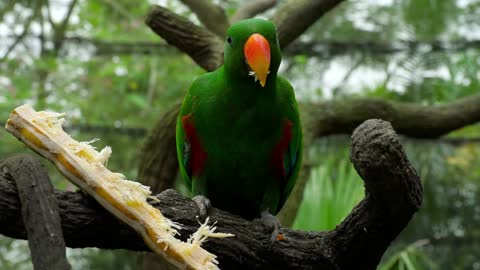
{"type": "Point", "coordinates": [257, 53]}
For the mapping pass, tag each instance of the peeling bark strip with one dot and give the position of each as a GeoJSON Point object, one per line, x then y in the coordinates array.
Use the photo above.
{"type": "Point", "coordinates": [39, 212]}
{"type": "Point", "coordinates": [393, 191]}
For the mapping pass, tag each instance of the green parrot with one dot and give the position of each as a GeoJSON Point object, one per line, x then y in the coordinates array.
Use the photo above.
{"type": "Point", "coordinates": [239, 137]}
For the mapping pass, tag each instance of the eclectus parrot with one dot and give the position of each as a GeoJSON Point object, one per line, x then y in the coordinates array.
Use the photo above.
{"type": "Point", "coordinates": [239, 138]}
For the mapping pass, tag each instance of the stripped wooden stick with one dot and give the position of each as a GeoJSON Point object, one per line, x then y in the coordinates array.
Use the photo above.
{"type": "Point", "coordinates": [127, 200]}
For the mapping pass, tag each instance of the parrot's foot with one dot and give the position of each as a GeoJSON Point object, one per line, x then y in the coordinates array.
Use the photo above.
{"type": "Point", "coordinates": [273, 226]}
{"type": "Point", "coordinates": [203, 204]}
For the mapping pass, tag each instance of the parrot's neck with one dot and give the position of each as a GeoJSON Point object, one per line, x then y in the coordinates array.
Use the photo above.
{"type": "Point", "coordinates": [242, 93]}
{"type": "Point", "coordinates": [242, 83]}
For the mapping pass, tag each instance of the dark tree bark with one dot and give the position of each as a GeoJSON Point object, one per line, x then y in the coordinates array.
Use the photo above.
{"type": "Point", "coordinates": [203, 46]}
{"type": "Point", "coordinates": [39, 211]}
{"type": "Point", "coordinates": [159, 163]}
{"type": "Point", "coordinates": [393, 195]}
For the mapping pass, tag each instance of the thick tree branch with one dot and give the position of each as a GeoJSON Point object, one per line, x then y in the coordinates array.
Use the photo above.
{"type": "Point", "coordinates": [159, 164]}
{"type": "Point", "coordinates": [39, 212]}
{"type": "Point", "coordinates": [393, 195]}
{"type": "Point", "coordinates": [294, 17]}
{"type": "Point", "coordinates": [252, 8]}
{"type": "Point", "coordinates": [212, 16]}
{"type": "Point", "coordinates": [413, 120]}
{"type": "Point", "coordinates": [201, 45]}
{"type": "Point", "coordinates": [409, 119]}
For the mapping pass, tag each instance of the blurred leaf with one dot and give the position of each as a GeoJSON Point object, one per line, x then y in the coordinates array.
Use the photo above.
{"type": "Point", "coordinates": [410, 257]}
{"type": "Point", "coordinates": [138, 100]}
{"type": "Point", "coordinates": [330, 194]}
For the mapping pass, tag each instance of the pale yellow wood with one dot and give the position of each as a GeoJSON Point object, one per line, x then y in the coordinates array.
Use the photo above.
{"type": "Point", "coordinates": [127, 200]}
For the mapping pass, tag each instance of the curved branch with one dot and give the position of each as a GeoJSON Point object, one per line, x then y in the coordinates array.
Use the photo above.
{"type": "Point", "coordinates": [204, 47]}
{"type": "Point", "coordinates": [413, 120]}
{"type": "Point", "coordinates": [409, 119]}
{"type": "Point", "coordinates": [39, 212]}
{"type": "Point", "coordinates": [252, 8]}
{"type": "Point", "coordinates": [211, 15]}
{"type": "Point", "coordinates": [159, 164]}
{"type": "Point", "coordinates": [393, 195]}
{"type": "Point", "coordinates": [294, 17]}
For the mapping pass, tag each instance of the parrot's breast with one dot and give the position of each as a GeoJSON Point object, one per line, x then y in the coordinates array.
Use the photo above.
{"type": "Point", "coordinates": [243, 158]}
{"type": "Point", "coordinates": [239, 146]}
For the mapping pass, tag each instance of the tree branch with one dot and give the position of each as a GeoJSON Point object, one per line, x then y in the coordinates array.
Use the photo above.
{"type": "Point", "coordinates": [325, 49]}
{"type": "Point", "coordinates": [329, 48]}
{"type": "Point", "coordinates": [26, 28]}
{"type": "Point", "coordinates": [294, 17]}
{"type": "Point", "coordinates": [204, 47]}
{"type": "Point", "coordinates": [337, 89]}
{"type": "Point", "coordinates": [413, 120]}
{"type": "Point", "coordinates": [393, 195]}
{"type": "Point", "coordinates": [393, 189]}
{"type": "Point", "coordinates": [60, 29]}
{"type": "Point", "coordinates": [212, 16]}
{"type": "Point", "coordinates": [252, 8]}
{"type": "Point", "coordinates": [409, 119]}
{"type": "Point", "coordinates": [158, 165]}
{"type": "Point", "coordinates": [39, 212]}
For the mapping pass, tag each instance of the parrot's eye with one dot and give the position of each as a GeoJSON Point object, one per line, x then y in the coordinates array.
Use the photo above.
{"type": "Point", "coordinates": [229, 40]}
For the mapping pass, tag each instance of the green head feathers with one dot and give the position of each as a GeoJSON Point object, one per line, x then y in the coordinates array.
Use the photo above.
{"type": "Point", "coordinates": [252, 49]}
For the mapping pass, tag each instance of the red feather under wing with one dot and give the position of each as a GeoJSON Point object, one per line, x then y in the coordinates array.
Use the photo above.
{"type": "Point", "coordinates": [278, 155]}
{"type": "Point", "coordinates": [198, 155]}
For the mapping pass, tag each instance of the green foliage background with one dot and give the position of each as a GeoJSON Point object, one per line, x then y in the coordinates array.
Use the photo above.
{"type": "Point", "coordinates": [99, 85]}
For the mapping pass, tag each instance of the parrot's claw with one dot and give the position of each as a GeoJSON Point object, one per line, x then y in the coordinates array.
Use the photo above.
{"type": "Point", "coordinates": [203, 204]}
{"type": "Point", "coordinates": [273, 226]}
